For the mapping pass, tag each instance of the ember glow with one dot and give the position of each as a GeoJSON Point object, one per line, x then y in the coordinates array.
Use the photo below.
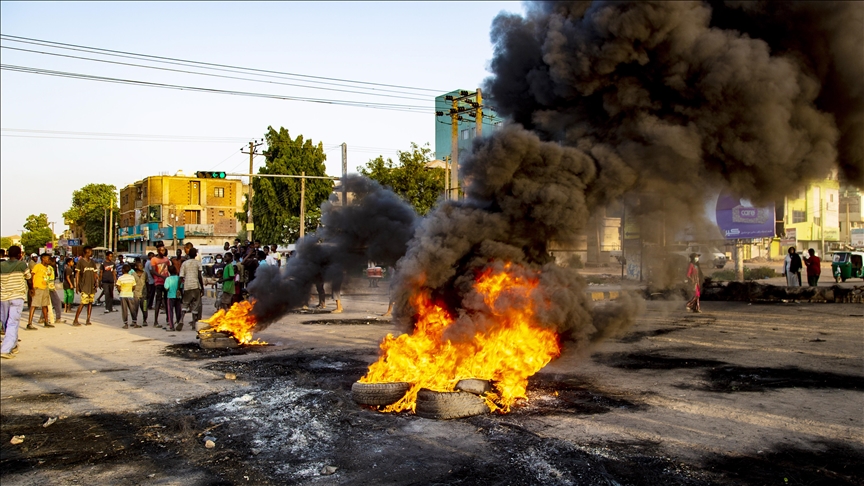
{"type": "Point", "coordinates": [511, 349]}
{"type": "Point", "coordinates": [237, 321]}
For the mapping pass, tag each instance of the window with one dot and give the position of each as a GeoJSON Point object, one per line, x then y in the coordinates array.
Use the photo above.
{"type": "Point", "coordinates": [465, 134]}
{"type": "Point", "coordinates": [221, 213]}
{"type": "Point", "coordinates": [219, 192]}
{"type": "Point", "coordinates": [831, 198]}
{"type": "Point", "coordinates": [817, 221]}
{"type": "Point", "coordinates": [799, 217]}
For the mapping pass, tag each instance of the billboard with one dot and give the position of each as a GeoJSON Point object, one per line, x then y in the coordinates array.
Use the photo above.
{"type": "Point", "coordinates": [857, 235]}
{"type": "Point", "coordinates": [737, 218]}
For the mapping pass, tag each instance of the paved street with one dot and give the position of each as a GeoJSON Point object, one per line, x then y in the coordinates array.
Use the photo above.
{"type": "Point", "coordinates": [682, 398]}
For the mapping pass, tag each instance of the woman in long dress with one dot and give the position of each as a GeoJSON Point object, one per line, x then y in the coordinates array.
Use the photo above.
{"type": "Point", "coordinates": [792, 268]}
{"type": "Point", "coordinates": [695, 279]}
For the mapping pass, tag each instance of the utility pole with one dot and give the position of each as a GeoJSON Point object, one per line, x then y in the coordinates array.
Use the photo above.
{"type": "Point", "coordinates": [111, 226]}
{"type": "Point", "coordinates": [104, 227]}
{"type": "Point", "coordinates": [303, 203]}
{"type": "Point", "coordinates": [344, 174]}
{"type": "Point", "coordinates": [822, 226]}
{"type": "Point", "coordinates": [474, 108]}
{"type": "Point", "coordinates": [250, 224]}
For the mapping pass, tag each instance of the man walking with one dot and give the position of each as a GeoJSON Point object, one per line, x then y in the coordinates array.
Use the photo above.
{"type": "Point", "coordinates": [14, 281]}
{"type": "Point", "coordinates": [192, 281]}
{"type": "Point", "coordinates": [86, 271]}
{"type": "Point", "coordinates": [159, 270]}
{"type": "Point", "coordinates": [814, 268]}
{"type": "Point", "coordinates": [43, 276]}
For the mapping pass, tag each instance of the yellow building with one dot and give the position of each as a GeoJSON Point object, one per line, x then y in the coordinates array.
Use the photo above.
{"type": "Point", "coordinates": [201, 210]}
{"type": "Point", "coordinates": [811, 219]}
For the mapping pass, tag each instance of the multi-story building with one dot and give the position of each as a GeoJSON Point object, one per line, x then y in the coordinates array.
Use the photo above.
{"type": "Point", "coordinates": [811, 219]}
{"type": "Point", "coordinates": [178, 209]}
{"type": "Point", "coordinates": [851, 215]}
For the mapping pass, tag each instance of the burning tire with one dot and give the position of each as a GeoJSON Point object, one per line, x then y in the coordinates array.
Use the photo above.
{"type": "Point", "coordinates": [449, 405]}
{"type": "Point", "coordinates": [378, 393]}
{"type": "Point", "coordinates": [475, 386]}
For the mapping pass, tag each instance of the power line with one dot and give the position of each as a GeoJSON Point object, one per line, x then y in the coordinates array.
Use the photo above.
{"type": "Point", "coordinates": [62, 45]}
{"type": "Point", "coordinates": [88, 77]}
{"type": "Point", "coordinates": [218, 75]}
{"type": "Point", "coordinates": [129, 135]}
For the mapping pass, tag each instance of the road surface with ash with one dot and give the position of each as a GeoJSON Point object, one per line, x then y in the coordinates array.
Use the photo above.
{"type": "Point", "coordinates": [741, 394]}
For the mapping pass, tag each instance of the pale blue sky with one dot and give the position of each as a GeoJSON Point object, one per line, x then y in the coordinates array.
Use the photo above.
{"type": "Point", "coordinates": [442, 46]}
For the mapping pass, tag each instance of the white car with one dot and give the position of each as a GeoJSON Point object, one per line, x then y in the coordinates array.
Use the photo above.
{"type": "Point", "coordinates": [709, 254]}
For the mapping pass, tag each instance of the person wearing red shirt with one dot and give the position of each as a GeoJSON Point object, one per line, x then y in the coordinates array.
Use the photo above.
{"type": "Point", "coordinates": [814, 268]}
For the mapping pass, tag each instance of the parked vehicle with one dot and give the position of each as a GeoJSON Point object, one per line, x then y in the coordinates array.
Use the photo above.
{"type": "Point", "coordinates": [709, 254]}
{"type": "Point", "coordinates": [847, 264]}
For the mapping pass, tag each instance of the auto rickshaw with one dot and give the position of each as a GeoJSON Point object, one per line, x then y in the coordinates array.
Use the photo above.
{"type": "Point", "coordinates": [847, 264]}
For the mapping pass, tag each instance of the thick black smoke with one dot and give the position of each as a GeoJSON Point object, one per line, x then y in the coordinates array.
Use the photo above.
{"type": "Point", "coordinates": [690, 108]}
{"type": "Point", "coordinates": [376, 226]}
{"type": "Point", "coordinates": [521, 195]}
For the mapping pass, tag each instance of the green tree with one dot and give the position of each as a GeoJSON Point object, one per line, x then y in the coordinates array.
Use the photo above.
{"type": "Point", "coordinates": [5, 242]}
{"type": "Point", "coordinates": [38, 233]}
{"type": "Point", "coordinates": [409, 177]}
{"type": "Point", "coordinates": [88, 210]}
{"type": "Point", "coordinates": [276, 200]}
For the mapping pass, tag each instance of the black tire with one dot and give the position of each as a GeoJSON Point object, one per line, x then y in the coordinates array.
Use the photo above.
{"type": "Point", "coordinates": [474, 385]}
{"type": "Point", "coordinates": [378, 393]}
{"type": "Point", "coordinates": [449, 405]}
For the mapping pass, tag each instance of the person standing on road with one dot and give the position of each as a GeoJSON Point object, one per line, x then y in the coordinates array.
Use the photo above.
{"type": "Point", "coordinates": [141, 290]}
{"type": "Point", "coordinates": [151, 286]}
{"type": "Point", "coordinates": [694, 278]}
{"type": "Point", "coordinates": [792, 268]}
{"type": "Point", "coordinates": [43, 277]}
{"type": "Point", "coordinates": [227, 277]}
{"type": "Point", "coordinates": [814, 268]}
{"type": "Point", "coordinates": [56, 301]}
{"type": "Point", "coordinates": [69, 285]}
{"type": "Point", "coordinates": [191, 277]}
{"type": "Point", "coordinates": [172, 286]}
{"type": "Point", "coordinates": [86, 271]}
{"type": "Point", "coordinates": [14, 283]}
{"type": "Point", "coordinates": [159, 269]}
{"type": "Point", "coordinates": [128, 304]}
{"type": "Point", "coordinates": [109, 278]}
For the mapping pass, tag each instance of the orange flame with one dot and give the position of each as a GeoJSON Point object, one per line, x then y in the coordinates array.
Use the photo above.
{"type": "Point", "coordinates": [238, 321]}
{"type": "Point", "coordinates": [513, 348]}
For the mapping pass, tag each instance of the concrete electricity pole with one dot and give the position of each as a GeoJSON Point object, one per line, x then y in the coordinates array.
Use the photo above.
{"type": "Point", "coordinates": [250, 224]}
{"type": "Point", "coordinates": [474, 108]}
{"type": "Point", "coordinates": [344, 173]}
{"type": "Point", "coordinates": [303, 203]}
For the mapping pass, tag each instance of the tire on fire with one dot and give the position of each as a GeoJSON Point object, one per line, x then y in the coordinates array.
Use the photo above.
{"type": "Point", "coordinates": [378, 393]}
{"type": "Point", "coordinates": [474, 385]}
{"type": "Point", "coordinates": [449, 405]}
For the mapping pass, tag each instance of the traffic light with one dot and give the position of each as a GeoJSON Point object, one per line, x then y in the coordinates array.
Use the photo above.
{"type": "Point", "coordinates": [210, 175]}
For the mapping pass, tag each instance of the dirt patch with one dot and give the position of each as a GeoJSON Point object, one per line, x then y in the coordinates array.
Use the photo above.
{"type": "Point", "coordinates": [652, 361]}
{"type": "Point", "coordinates": [194, 352]}
{"type": "Point", "coordinates": [347, 322]}
{"type": "Point", "coordinates": [741, 378]}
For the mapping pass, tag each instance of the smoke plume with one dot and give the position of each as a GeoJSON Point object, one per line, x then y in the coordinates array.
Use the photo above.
{"type": "Point", "coordinates": [376, 226]}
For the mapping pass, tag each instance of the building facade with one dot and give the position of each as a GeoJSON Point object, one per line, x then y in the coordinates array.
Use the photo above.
{"type": "Point", "coordinates": [811, 219]}
{"type": "Point", "coordinates": [179, 209]}
{"type": "Point", "coordinates": [851, 216]}
{"type": "Point", "coordinates": [466, 128]}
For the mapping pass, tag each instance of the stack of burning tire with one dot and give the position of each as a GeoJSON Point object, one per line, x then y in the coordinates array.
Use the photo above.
{"type": "Point", "coordinates": [208, 338]}
{"type": "Point", "coordinates": [466, 401]}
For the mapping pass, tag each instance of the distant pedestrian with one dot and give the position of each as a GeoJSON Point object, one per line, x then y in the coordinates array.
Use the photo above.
{"type": "Point", "coordinates": [694, 280]}
{"type": "Point", "coordinates": [108, 278]}
{"type": "Point", "coordinates": [141, 290]}
{"type": "Point", "coordinates": [172, 286]}
{"type": "Point", "coordinates": [55, 310]}
{"type": "Point", "coordinates": [86, 273]}
{"type": "Point", "coordinates": [191, 277]}
{"type": "Point", "coordinates": [14, 282]}
{"type": "Point", "coordinates": [159, 269]}
{"type": "Point", "coordinates": [792, 268]}
{"type": "Point", "coordinates": [274, 258]}
{"type": "Point", "coordinates": [814, 268]}
{"type": "Point", "coordinates": [118, 266]}
{"type": "Point", "coordinates": [43, 274]}
{"type": "Point", "coordinates": [227, 279]}
{"type": "Point", "coordinates": [128, 303]}
{"type": "Point", "coordinates": [69, 285]}
{"type": "Point", "coordinates": [151, 285]}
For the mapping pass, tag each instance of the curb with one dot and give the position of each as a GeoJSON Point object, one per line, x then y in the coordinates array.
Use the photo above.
{"type": "Point", "coordinates": [606, 295]}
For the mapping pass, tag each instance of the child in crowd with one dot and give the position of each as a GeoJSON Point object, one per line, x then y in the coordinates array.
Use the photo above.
{"type": "Point", "coordinates": [126, 284]}
{"type": "Point", "coordinates": [69, 285]}
{"type": "Point", "coordinates": [141, 289]}
{"type": "Point", "coordinates": [175, 305]}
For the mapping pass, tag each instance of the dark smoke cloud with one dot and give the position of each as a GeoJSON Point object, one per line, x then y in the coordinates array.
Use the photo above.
{"type": "Point", "coordinates": [690, 108]}
{"type": "Point", "coordinates": [376, 226]}
{"type": "Point", "coordinates": [521, 194]}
